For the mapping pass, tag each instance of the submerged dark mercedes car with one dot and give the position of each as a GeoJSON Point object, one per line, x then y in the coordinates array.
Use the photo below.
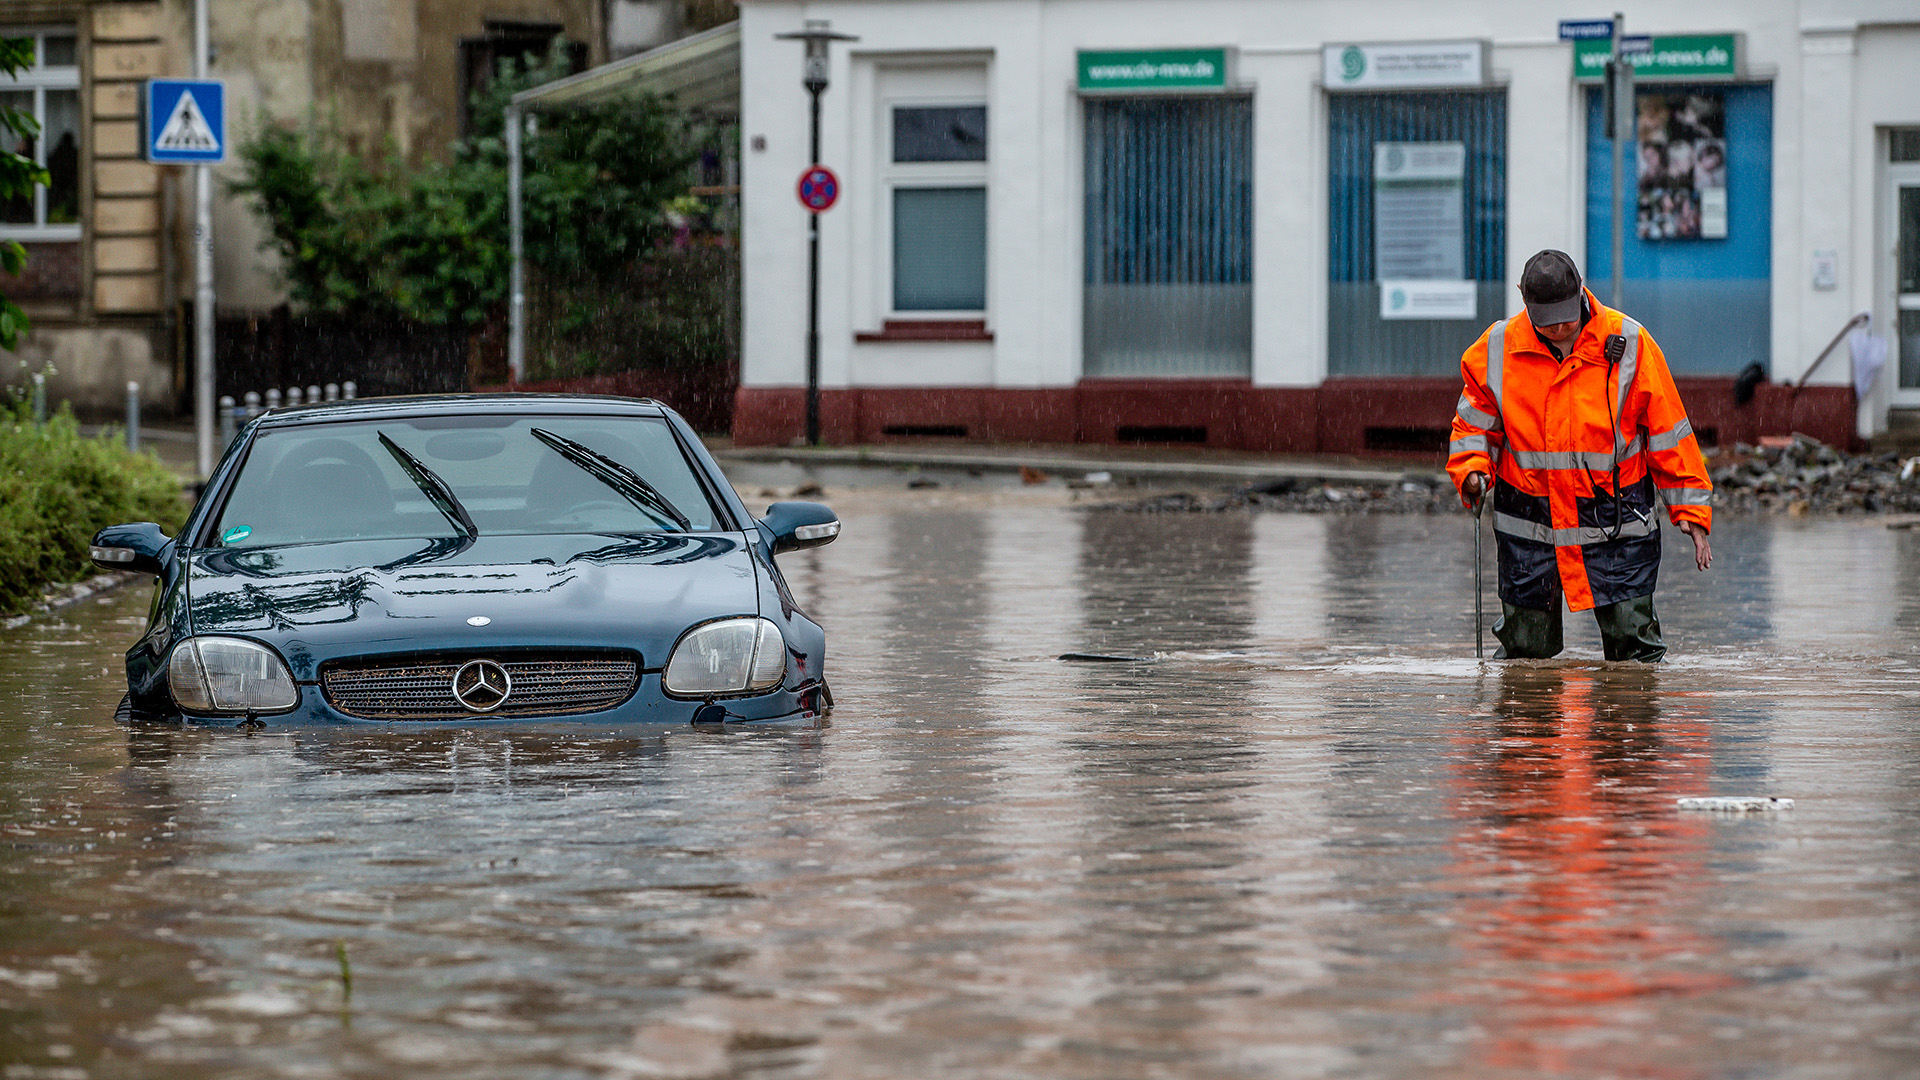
{"type": "Point", "coordinates": [473, 560]}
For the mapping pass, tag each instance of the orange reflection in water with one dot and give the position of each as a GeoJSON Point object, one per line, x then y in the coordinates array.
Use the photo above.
{"type": "Point", "coordinates": [1578, 881]}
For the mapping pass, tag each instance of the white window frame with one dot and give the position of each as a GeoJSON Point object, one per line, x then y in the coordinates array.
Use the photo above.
{"type": "Point", "coordinates": [39, 79]}
{"type": "Point", "coordinates": [931, 174]}
{"type": "Point", "coordinates": [1902, 174]}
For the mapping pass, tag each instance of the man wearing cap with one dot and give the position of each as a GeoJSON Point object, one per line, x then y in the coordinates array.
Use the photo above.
{"type": "Point", "coordinates": [1570, 414]}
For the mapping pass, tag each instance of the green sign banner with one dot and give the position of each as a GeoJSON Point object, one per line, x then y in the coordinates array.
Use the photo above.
{"type": "Point", "coordinates": [1154, 69]}
{"type": "Point", "coordinates": [1668, 56]}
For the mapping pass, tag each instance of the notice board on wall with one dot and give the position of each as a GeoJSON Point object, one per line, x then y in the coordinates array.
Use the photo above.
{"type": "Point", "coordinates": [1682, 169]}
{"type": "Point", "coordinates": [1419, 231]}
{"type": "Point", "coordinates": [1419, 220]}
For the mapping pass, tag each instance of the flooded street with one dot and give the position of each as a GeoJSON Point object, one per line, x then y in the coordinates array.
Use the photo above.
{"type": "Point", "coordinates": [1307, 836]}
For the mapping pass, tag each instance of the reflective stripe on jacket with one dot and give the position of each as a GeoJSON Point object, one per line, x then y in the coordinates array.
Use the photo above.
{"type": "Point", "coordinates": [1550, 432]}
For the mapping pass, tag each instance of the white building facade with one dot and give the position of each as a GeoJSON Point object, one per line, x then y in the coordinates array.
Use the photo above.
{"type": "Point", "coordinates": [1272, 226]}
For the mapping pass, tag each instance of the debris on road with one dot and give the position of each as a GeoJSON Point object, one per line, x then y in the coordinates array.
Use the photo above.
{"type": "Point", "coordinates": [1797, 476]}
{"type": "Point", "coordinates": [1736, 804]}
{"type": "Point", "coordinates": [1807, 476]}
{"type": "Point", "coordinates": [1411, 494]}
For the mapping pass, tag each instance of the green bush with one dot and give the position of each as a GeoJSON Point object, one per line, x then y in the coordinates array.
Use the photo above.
{"type": "Point", "coordinates": [376, 235]}
{"type": "Point", "coordinates": [58, 488]}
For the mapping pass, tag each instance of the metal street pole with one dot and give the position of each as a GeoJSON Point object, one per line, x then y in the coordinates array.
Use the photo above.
{"type": "Point", "coordinates": [1620, 93]}
{"type": "Point", "coordinates": [813, 288]}
{"type": "Point", "coordinates": [817, 35]}
{"type": "Point", "coordinates": [202, 274]}
{"type": "Point", "coordinates": [516, 284]}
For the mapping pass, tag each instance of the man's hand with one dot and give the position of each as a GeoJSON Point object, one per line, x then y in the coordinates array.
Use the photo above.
{"type": "Point", "coordinates": [1474, 487]}
{"type": "Point", "coordinates": [1702, 549]}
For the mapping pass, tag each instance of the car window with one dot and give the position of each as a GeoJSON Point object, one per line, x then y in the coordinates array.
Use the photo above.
{"type": "Point", "coordinates": [341, 481]}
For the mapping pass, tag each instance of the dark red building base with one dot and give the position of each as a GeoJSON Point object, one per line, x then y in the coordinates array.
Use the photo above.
{"type": "Point", "coordinates": [1340, 416]}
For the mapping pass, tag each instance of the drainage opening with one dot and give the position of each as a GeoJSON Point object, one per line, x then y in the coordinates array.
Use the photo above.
{"type": "Point", "coordinates": [1407, 440]}
{"type": "Point", "coordinates": [1161, 433]}
{"type": "Point", "coordinates": [931, 431]}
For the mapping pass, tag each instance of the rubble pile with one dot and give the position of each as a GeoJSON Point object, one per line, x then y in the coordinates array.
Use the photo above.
{"type": "Point", "coordinates": [1799, 476]}
{"type": "Point", "coordinates": [1411, 494]}
{"type": "Point", "coordinates": [1808, 476]}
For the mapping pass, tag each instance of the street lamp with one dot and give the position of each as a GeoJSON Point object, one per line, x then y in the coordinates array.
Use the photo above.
{"type": "Point", "coordinates": [814, 77]}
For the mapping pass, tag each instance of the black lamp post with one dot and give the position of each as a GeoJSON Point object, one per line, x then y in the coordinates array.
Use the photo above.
{"type": "Point", "coordinates": [816, 34]}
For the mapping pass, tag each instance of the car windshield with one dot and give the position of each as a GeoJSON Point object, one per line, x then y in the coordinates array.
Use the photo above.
{"type": "Point", "coordinates": [452, 476]}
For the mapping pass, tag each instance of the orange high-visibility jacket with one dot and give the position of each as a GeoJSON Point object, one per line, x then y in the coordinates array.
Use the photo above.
{"type": "Point", "coordinates": [1550, 432]}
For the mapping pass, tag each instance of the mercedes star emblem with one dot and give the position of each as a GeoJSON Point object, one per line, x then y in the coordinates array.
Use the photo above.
{"type": "Point", "coordinates": [481, 685]}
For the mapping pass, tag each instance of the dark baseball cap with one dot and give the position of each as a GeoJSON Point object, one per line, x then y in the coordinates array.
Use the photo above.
{"type": "Point", "coordinates": [1550, 285]}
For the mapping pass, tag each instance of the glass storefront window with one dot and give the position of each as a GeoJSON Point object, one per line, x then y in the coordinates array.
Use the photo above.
{"type": "Point", "coordinates": [1169, 228]}
{"type": "Point", "coordinates": [1417, 228]}
{"type": "Point", "coordinates": [1699, 222]}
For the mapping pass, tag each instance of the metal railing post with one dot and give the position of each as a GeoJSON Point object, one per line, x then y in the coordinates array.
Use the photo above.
{"type": "Point", "coordinates": [348, 389]}
{"type": "Point", "coordinates": [133, 417]}
{"type": "Point", "coordinates": [39, 399]}
{"type": "Point", "coordinates": [227, 420]}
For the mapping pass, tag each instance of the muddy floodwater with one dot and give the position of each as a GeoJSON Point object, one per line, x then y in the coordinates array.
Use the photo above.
{"type": "Point", "coordinates": [1306, 836]}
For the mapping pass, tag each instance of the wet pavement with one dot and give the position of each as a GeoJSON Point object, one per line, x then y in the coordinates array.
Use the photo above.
{"type": "Point", "coordinates": [1308, 836]}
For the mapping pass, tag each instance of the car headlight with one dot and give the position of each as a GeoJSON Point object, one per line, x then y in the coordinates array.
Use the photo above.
{"type": "Point", "coordinates": [731, 656]}
{"type": "Point", "coordinates": [229, 675]}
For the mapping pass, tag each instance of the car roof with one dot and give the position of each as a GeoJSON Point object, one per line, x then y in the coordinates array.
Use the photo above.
{"type": "Point", "coordinates": [390, 408]}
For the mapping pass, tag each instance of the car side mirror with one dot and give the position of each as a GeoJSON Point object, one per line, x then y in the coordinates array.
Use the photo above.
{"type": "Point", "coordinates": [134, 547]}
{"type": "Point", "coordinates": [796, 525]}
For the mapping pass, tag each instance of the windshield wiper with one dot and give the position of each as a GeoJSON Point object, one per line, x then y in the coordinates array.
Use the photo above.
{"type": "Point", "coordinates": [436, 489]}
{"type": "Point", "coordinates": [616, 476]}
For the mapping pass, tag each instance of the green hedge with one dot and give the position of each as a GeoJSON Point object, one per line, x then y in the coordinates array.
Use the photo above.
{"type": "Point", "coordinates": [58, 488]}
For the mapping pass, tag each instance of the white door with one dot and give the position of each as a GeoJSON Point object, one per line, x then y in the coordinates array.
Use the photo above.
{"type": "Point", "coordinates": [1906, 284]}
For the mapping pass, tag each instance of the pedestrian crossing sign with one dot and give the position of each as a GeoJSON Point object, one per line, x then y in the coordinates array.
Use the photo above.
{"type": "Point", "coordinates": [186, 121]}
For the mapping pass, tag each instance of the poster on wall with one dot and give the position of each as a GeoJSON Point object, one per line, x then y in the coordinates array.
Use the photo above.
{"type": "Point", "coordinates": [1419, 224]}
{"type": "Point", "coordinates": [1419, 230]}
{"type": "Point", "coordinates": [1683, 166]}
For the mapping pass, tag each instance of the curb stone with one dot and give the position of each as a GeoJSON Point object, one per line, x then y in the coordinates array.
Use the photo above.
{"type": "Point", "coordinates": [64, 596]}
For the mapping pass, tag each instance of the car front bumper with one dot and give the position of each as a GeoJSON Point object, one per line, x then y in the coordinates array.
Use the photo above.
{"type": "Point", "coordinates": [649, 705]}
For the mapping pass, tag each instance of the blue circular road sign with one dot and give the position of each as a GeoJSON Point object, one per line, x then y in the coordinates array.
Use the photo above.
{"type": "Point", "coordinates": [819, 188]}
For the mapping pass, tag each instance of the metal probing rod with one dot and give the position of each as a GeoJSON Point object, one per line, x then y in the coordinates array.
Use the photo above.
{"type": "Point", "coordinates": [1479, 584]}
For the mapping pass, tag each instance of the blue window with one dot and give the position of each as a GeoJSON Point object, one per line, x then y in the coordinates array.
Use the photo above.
{"type": "Point", "coordinates": [1169, 219]}
{"type": "Point", "coordinates": [1466, 127]}
{"type": "Point", "coordinates": [1706, 299]}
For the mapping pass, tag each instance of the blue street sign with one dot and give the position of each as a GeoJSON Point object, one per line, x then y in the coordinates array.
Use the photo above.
{"type": "Point", "coordinates": [1584, 29]}
{"type": "Point", "coordinates": [186, 121]}
{"type": "Point", "coordinates": [819, 188]}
